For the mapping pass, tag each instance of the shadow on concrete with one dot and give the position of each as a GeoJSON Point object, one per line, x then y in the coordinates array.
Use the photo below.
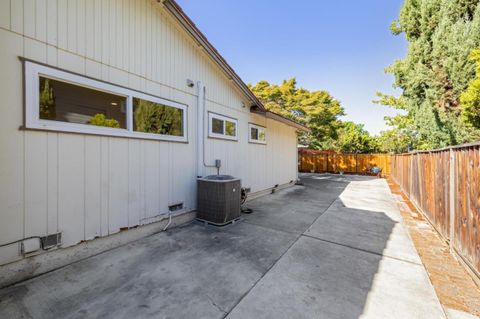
{"type": "Point", "coordinates": [293, 210]}
{"type": "Point", "coordinates": [350, 263]}
{"type": "Point", "coordinates": [328, 272]}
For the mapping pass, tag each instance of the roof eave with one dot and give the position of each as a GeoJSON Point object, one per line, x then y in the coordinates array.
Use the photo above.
{"type": "Point", "coordinates": [282, 119]}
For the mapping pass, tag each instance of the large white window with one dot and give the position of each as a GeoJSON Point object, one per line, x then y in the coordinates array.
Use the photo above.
{"type": "Point", "coordinates": [257, 134]}
{"type": "Point", "coordinates": [220, 126]}
{"type": "Point", "coordinates": [62, 101]}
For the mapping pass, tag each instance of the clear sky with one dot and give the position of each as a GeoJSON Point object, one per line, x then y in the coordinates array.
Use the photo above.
{"type": "Point", "coordinates": [341, 46]}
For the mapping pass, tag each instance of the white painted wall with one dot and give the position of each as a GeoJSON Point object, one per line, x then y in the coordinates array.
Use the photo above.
{"type": "Point", "coordinates": [89, 186]}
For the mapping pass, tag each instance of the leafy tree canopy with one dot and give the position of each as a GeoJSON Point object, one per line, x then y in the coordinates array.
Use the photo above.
{"type": "Point", "coordinates": [394, 141]}
{"type": "Point", "coordinates": [151, 117]}
{"type": "Point", "coordinates": [316, 109]}
{"type": "Point", "coordinates": [353, 138]}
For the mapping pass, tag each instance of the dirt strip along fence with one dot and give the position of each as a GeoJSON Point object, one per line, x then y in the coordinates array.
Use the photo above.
{"type": "Point", "coordinates": [320, 162]}
{"type": "Point", "coordinates": [445, 186]}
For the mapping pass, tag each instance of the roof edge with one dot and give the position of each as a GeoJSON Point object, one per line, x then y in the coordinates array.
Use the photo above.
{"type": "Point", "coordinates": [280, 118]}
{"type": "Point", "coordinates": [177, 12]}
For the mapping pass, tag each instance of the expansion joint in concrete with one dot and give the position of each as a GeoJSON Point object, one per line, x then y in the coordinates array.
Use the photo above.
{"type": "Point", "coordinates": [362, 250]}
{"type": "Point", "coordinates": [279, 258]}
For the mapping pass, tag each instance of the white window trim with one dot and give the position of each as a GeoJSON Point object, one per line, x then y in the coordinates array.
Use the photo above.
{"type": "Point", "coordinates": [33, 72]}
{"type": "Point", "coordinates": [211, 116]}
{"type": "Point", "coordinates": [259, 127]}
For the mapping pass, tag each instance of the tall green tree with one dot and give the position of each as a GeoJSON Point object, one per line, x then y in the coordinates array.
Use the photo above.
{"type": "Point", "coordinates": [47, 100]}
{"type": "Point", "coordinates": [394, 141]}
{"type": "Point", "coordinates": [316, 109]}
{"type": "Point", "coordinates": [151, 117]}
{"type": "Point", "coordinates": [353, 138]}
{"type": "Point", "coordinates": [441, 35]}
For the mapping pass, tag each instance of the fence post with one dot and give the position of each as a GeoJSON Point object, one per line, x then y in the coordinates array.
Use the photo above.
{"type": "Point", "coordinates": [327, 164]}
{"type": "Point", "coordinates": [452, 199]}
{"type": "Point", "coordinates": [419, 198]}
{"type": "Point", "coordinates": [393, 168]}
{"type": "Point", "coordinates": [411, 176]}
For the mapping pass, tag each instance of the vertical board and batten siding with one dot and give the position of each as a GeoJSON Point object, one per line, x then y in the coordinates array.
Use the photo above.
{"type": "Point", "coordinates": [260, 166]}
{"type": "Point", "coordinates": [427, 178]}
{"type": "Point", "coordinates": [88, 186]}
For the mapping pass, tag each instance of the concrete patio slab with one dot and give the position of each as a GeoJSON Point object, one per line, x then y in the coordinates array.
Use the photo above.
{"type": "Point", "coordinates": [191, 272]}
{"type": "Point", "coordinates": [266, 266]}
{"type": "Point", "coordinates": [378, 230]}
{"type": "Point", "coordinates": [295, 209]}
{"type": "Point", "coordinates": [457, 314]}
{"type": "Point", "coordinates": [316, 279]}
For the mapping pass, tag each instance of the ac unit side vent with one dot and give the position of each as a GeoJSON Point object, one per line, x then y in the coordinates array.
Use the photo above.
{"type": "Point", "coordinates": [175, 207]}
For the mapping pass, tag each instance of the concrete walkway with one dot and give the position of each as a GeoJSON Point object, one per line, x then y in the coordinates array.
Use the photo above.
{"type": "Point", "coordinates": [334, 248]}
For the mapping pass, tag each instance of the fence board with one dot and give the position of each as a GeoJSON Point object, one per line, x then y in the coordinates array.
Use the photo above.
{"type": "Point", "coordinates": [425, 178]}
{"type": "Point", "coordinates": [348, 163]}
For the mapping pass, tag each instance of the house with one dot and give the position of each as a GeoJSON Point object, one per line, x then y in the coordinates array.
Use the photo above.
{"type": "Point", "coordinates": [110, 111]}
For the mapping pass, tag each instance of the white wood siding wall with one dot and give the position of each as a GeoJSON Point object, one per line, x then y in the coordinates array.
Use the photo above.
{"type": "Point", "coordinates": [89, 186]}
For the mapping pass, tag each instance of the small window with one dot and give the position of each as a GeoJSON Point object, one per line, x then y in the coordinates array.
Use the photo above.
{"type": "Point", "coordinates": [62, 101]}
{"type": "Point", "coordinates": [257, 134]}
{"type": "Point", "coordinates": [222, 126]}
{"type": "Point", "coordinates": [156, 118]}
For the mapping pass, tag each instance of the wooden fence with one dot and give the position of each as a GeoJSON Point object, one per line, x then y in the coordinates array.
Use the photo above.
{"type": "Point", "coordinates": [348, 163]}
{"type": "Point", "coordinates": [445, 185]}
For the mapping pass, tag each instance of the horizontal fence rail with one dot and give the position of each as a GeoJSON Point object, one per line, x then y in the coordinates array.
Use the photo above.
{"type": "Point", "coordinates": [445, 185]}
{"type": "Point", "coordinates": [313, 162]}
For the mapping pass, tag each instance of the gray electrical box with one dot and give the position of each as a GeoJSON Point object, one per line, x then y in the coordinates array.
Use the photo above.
{"type": "Point", "coordinates": [218, 199]}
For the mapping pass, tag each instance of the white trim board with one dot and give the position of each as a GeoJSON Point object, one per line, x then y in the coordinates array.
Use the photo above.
{"type": "Point", "coordinates": [259, 128]}
{"type": "Point", "coordinates": [225, 119]}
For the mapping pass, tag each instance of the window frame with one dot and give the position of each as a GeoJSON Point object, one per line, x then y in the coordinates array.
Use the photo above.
{"type": "Point", "coordinates": [224, 118]}
{"type": "Point", "coordinates": [258, 127]}
{"type": "Point", "coordinates": [34, 71]}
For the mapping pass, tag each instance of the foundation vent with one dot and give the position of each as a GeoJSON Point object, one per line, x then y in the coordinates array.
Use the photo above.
{"type": "Point", "coordinates": [175, 207]}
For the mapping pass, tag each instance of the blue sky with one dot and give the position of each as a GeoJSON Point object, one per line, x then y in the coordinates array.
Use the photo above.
{"type": "Point", "coordinates": [341, 46]}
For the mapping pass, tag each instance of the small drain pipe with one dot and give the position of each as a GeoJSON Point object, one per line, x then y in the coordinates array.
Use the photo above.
{"type": "Point", "coordinates": [200, 128]}
{"type": "Point", "coordinates": [201, 163]}
{"type": "Point", "coordinates": [169, 220]}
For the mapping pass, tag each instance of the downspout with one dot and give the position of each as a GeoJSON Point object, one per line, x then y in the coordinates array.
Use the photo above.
{"type": "Point", "coordinates": [296, 162]}
{"type": "Point", "coordinates": [200, 127]}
